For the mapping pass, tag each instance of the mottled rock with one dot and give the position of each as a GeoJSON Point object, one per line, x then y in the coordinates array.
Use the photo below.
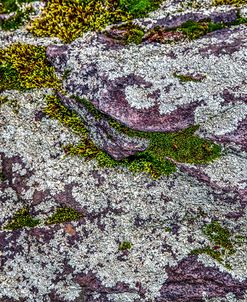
{"type": "Point", "coordinates": [106, 137]}
{"type": "Point", "coordinates": [190, 279]}
{"type": "Point", "coordinates": [164, 219]}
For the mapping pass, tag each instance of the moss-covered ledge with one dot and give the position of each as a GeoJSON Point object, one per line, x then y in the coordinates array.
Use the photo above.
{"type": "Point", "coordinates": [182, 146]}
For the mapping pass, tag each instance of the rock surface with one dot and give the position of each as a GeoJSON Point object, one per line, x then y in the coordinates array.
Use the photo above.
{"type": "Point", "coordinates": [163, 219]}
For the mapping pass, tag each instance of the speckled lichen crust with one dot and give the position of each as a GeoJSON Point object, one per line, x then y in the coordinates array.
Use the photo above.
{"type": "Point", "coordinates": [126, 237]}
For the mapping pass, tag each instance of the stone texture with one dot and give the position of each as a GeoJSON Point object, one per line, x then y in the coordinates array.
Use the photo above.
{"type": "Point", "coordinates": [163, 219]}
{"type": "Point", "coordinates": [105, 137]}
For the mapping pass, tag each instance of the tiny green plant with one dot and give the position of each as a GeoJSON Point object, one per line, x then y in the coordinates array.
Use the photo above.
{"type": "Point", "coordinates": [187, 78]}
{"type": "Point", "coordinates": [21, 219]}
{"type": "Point", "coordinates": [64, 215]}
{"type": "Point", "coordinates": [125, 245]}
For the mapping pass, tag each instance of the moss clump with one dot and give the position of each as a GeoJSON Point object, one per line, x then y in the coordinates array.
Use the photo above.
{"type": "Point", "coordinates": [139, 8]}
{"type": "Point", "coordinates": [219, 236]}
{"type": "Point", "coordinates": [229, 2]}
{"type": "Point", "coordinates": [55, 109]}
{"type": "Point", "coordinates": [186, 78]}
{"type": "Point", "coordinates": [135, 36]}
{"type": "Point", "coordinates": [68, 20]}
{"type": "Point", "coordinates": [63, 215]}
{"type": "Point", "coordinates": [182, 146]}
{"type": "Point", "coordinates": [24, 67]}
{"type": "Point", "coordinates": [194, 30]}
{"type": "Point", "coordinates": [222, 243]}
{"type": "Point", "coordinates": [125, 245]}
{"type": "Point", "coordinates": [190, 29]}
{"type": "Point", "coordinates": [21, 219]}
{"type": "Point", "coordinates": [215, 254]}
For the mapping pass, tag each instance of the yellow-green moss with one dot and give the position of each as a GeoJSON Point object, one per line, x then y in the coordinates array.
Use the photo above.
{"type": "Point", "coordinates": [56, 110]}
{"type": "Point", "coordinates": [68, 20]}
{"type": "Point", "coordinates": [3, 100]}
{"type": "Point", "coordinates": [125, 245]}
{"type": "Point", "coordinates": [21, 219]}
{"type": "Point", "coordinates": [24, 66]}
{"type": "Point", "coordinates": [186, 78]}
{"type": "Point", "coordinates": [215, 254]}
{"type": "Point", "coordinates": [64, 215]}
{"type": "Point", "coordinates": [229, 2]}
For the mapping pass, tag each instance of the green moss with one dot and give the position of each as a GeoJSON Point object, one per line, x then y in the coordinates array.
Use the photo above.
{"type": "Point", "coordinates": [63, 215]}
{"type": "Point", "coordinates": [126, 33]}
{"type": "Point", "coordinates": [219, 236]}
{"type": "Point", "coordinates": [21, 219]}
{"type": "Point", "coordinates": [125, 245]}
{"type": "Point", "coordinates": [16, 20]}
{"type": "Point", "coordinates": [221, 241]}
{"type": "Point", "coordinates": [135, 36]}
{"type": "Point", "coordinates": [139, 8]}
{"type": "Point", "coordinates": [24, 67]}
{"type": "Point", "coordinates": [182, 146]}
{"type": "Point", "coordinates": [66, 74]}
{"type": "Point", "coordinates": [56, 110]}
{"type": "Point", "coordinates": [68, 20]}
{"type": "Point", "coordinates": [194, 30]}
{"type": "Point", "coordinates": [186, 78]}
{"type": "Point", "coordinates": [168, 229]}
